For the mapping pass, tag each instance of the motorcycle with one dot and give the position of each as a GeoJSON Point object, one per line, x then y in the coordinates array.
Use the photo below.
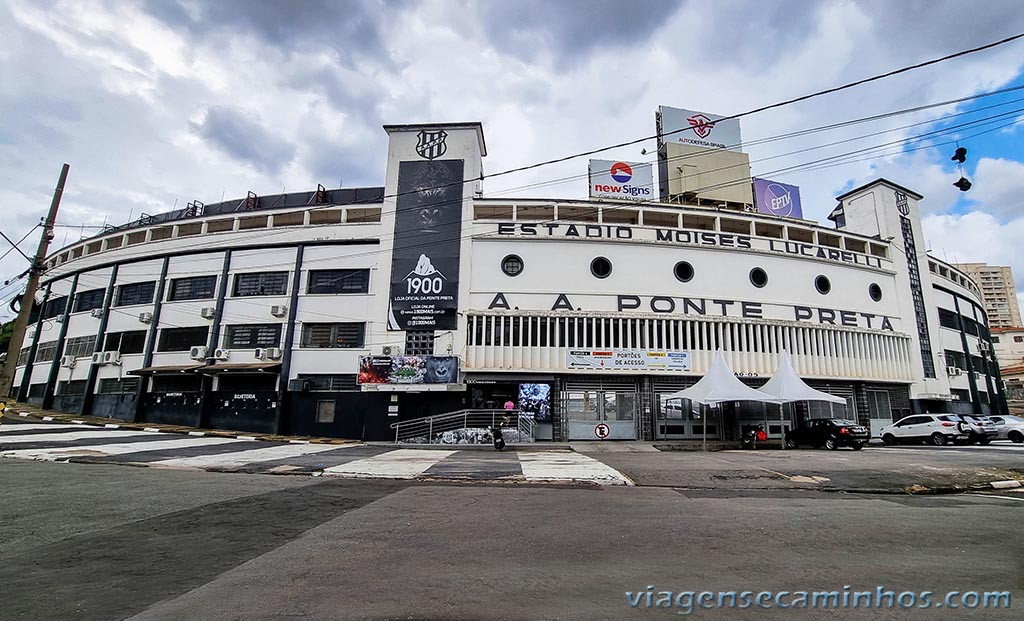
{"type": "Point", "coordinates": [752, 436]}
{"type": "Point", "coordinates": [496, 436]}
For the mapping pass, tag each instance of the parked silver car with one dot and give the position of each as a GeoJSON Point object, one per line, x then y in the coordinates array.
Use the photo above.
{"type": "Point", "coordinates": [980, 429]}
{"type": "Point", "coordinates": [1009, 428]}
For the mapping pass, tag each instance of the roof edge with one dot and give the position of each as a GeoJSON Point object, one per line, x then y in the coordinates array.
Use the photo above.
{"type": "Point", "coordinates": [876, 182]}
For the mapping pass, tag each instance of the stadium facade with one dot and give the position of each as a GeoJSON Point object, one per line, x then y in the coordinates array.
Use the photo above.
{"type": "Point", "coordinates": [339, 312]}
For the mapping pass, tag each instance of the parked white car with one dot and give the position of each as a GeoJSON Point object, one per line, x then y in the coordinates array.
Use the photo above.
{"type": "Point", "coordinates": [1009, 427]}
{"type": "Point", "coordinates": [936, 429]}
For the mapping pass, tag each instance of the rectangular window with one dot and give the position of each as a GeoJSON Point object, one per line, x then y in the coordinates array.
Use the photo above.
{"type": "Point", "coordinates": [55, 307]}
{"type": "Point", "coordinates": [325, 411]}
{"type": "Point", "coordinates": [132, 342]}
{"type": "Point", "coordinates": [182, 339]}
{"type": "Point", "coordinates": [88, 300]}
{"type": "Point", "coordinates": [419, 342]}
{"type": "Point", "coordinates": [265, 283]}
{"type": "Point", "coordinates": [253, 335]}
{"type": "Point", "coordinates": [1018, 339]}
{"type": "Point", "coordinates": [36, 391]}
{"type": "Point", "coordinates": [135, 293]}
{"type": "Point", "coordinates": [995, 339]}
{"type": "Point", "coordinates": [80, 347]}
{"type": "Point", "coordinates": [333, 334]}
{"type": "Point", "coordinates": [339, 281]}
{"type": "Point", "coordinates": [328, 383]}
{"type": "Point", "coordinates": [198, 288]}
{"type": "Point", "coordinates": [948, 319]}
{"type": "Point", "coordinates": [71, 388]}
{"type": "Point", "coordinates": [115, 386]}
{"type": "Point", "coordinates": [46, 352]}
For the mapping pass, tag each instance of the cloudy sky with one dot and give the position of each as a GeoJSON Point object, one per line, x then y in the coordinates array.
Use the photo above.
{"type": "Point", "coordinates": [156, 103]}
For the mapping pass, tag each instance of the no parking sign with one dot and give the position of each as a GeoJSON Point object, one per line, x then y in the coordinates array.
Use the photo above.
{"type": "Point", "coordinates": [602, 430]}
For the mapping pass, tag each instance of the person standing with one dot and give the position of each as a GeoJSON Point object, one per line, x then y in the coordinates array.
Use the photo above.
{"type": "Point", "coordinates": [510, 405]}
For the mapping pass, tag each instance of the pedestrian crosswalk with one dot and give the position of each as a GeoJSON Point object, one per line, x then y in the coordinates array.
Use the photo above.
{"type": "Point", "coordinates": [82, 443]}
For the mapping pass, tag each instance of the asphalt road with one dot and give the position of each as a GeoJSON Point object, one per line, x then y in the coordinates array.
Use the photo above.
{"type": "Point", "coordinates": [90, 541]}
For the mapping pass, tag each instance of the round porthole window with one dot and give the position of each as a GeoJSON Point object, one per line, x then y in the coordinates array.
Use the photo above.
{"type": "Point", "coordinates": [758, 277]}
{"type": "Point", "coordinates": [601, 267]}
{"type": "Point", "coordinates": [512, 265]}
{"type": "Point", "coordinates": [875, 292]}
{"type": "Point", "coordinates": [683, 271]}
{"type": "Point", "coordinates": [822, 284]}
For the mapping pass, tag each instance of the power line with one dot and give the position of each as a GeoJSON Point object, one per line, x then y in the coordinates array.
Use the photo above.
{"type": "Point", "coordinates": [14, 246]}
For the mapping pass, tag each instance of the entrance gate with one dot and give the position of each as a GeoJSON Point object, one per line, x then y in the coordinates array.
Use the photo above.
{"type": "Point", "coordinates": [601, 409]}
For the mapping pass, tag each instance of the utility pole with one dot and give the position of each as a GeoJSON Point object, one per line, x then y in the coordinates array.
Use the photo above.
{"type": "Point", "coordinates": [28, 300]}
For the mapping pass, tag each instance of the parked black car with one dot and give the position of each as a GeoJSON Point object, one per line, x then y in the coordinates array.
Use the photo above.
{"type": "Point", "coordinates": [830, 433]}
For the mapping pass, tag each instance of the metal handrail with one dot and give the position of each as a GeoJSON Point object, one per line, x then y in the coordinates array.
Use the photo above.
{"type": "Point", "coordinates": [462, 419]}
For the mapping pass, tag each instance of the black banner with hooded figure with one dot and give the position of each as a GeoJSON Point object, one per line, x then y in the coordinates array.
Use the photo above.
{"type": "Point", "coordinates": [428, 231]}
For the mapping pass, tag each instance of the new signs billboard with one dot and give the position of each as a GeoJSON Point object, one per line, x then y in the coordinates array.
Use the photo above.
{"type": "Point", "coordinates": [700, 129]}
{"type": "Point", "coordinates": [624, 180]}
{"type": "Point", "coordinates": [777, 199]}
{"type": "Point", "coordinates": [428, 233]}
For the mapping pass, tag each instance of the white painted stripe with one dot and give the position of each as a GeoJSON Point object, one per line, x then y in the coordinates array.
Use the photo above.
{"type": "Point", "coordinates": [78, 422]}
{"type": "Point", "coordinates": [47, 418]}
{"type": "Point", "coordinates": [101, 450]}
{"type": "Point", "coordinates": [112, 426]}
{"type": "Point", "coordinates": [241, 458]}
{"type": "Point", "coordinates": [999, 497]}
{"type": "Point", "coordinates": [248, 438]}
{"type": "Point", "coordinates": [64, 438]}
{"type": "Point", "coordinates": [298, 441]}
{"type": "Point", "coordinates": [23, 414]}
{"type": "Point", "coordinates": [397, 464]}
{"type": "Point", "coordinates": [196, 433]}
{"type": "Point", "coordinates": [568, 466]}
{"type": "Point", "coordinates": [33, 427]}
{"type": "Point", "coordinates": [151, 429]}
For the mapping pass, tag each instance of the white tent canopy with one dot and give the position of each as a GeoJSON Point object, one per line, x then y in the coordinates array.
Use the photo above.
{"type": "Point", "coordinates": [786, 386]}
{"type": "Point", "coordinates": [720, 385]}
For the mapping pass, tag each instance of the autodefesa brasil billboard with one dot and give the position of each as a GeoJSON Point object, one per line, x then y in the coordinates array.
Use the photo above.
{"type": "Point", "coordinates": [701, 129]}
{"type": "Point", "coordinates": [631, 181]}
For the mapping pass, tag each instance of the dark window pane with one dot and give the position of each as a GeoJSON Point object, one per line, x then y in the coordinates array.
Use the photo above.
{"type": "Point", "coordinates": [265, 283]}
{"type": "Point", "coordinates": [55, 307]}
{"type": "Point", "coordinates": [135, 293]}
{"type": "Point", "coordinates": [198, 288]}
{"type": "Point", "coordinates": [122, 386]}
{"type": "Point", "coordinates": [182, 339]}
{"type": "Point", "coordinates": [80, 346]}
{"type": "Point", "coordinates": [177, 383]}
{"type": "Point", "coordinates": [88, 300]}
{"type": "Point", "coordinates": [343, 335]}
{"type": "Point", "coordinates": [339, 281]}
{"type": "Point", "coordinates": [254, 335]}
{"type": "Point", "coordinates": [133, 342]}
{"type": "Point", "coordinates": [73, 387]}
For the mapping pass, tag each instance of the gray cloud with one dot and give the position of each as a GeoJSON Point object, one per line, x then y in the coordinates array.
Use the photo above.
{"type": "Point", "coordinates": [244, 138]}
{"type": "Point", "coordinates": [352, 28]}
{"type": "Point", "coordinates": [571, 28]}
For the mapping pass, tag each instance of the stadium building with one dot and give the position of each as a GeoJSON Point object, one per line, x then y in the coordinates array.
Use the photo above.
{"type": "Point", "coordinates": [339, 312]}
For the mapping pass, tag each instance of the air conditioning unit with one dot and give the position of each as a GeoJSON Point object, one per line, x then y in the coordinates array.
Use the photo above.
{"type": "Point", "coordinates": [278, 310]}
{"type": "Point", "coordinates": [97, 357]}
{"type": "Point", "coordinates": [68, 361]}
{"type": "Point", "coordinates": [97, 312]}
{"type": "Point", "coordinates": [953, 371]}
{"type": "Point", "coordinates": [260, 354]}
{"type": "Point", "coordinates": [146, 317]}
{"type": "Point", "coordinates": [221, 354]}
{"type": "Point", "coordinates": [272, 353]}
{"type": "Point", "coordinates": [198, 352]}
{"type": "Point", "coordinates": [207, 312]}
{"type": "Point", "coordinates": [111, 357]}
{"type": "Point", "coordinates": [391, 350]}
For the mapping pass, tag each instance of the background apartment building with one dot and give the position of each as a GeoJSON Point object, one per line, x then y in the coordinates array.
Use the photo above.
{"type": "Point", "coordinates": [998, 292]}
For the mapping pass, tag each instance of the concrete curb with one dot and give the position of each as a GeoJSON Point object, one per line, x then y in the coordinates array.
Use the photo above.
{"type": "Point", "coordinates": [19, 411]}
